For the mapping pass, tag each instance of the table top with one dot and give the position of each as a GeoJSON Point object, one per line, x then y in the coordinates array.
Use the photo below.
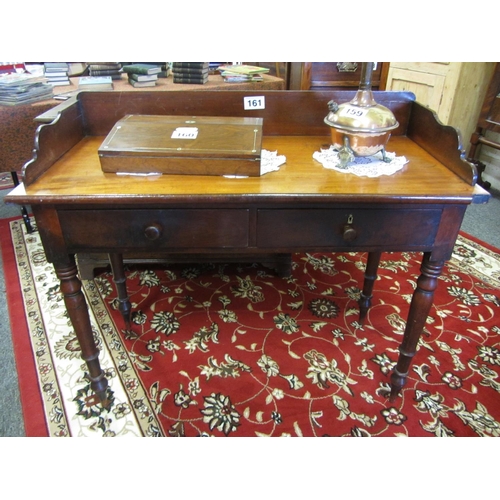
{"type": "Point", "coordinates": [77, 178]}
{"type": "Point", "coordinates": [215, 82]}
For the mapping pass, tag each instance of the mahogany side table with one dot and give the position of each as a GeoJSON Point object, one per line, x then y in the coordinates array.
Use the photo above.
{"type": "Point", "coordinates": [79, 208]}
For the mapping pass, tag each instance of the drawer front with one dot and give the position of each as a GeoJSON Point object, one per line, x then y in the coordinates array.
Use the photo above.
{"type": "Point", "coordinates": [316, 228]}
{"type": "Point", "coordinates": [155, 229]}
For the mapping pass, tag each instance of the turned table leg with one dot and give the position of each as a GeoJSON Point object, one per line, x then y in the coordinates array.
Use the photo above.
{"type": "Point", "coordinates": [365, 299]}
{"type": "Point", "coordinates": [419, 310]}
{"type": "Point", "coordinates": [120, 280]}
{"type": "Point", "coordinates": [76, 306]}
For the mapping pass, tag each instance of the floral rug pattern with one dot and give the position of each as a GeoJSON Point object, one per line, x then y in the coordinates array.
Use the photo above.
{"type": "Point", "coordinates": [235, 350]}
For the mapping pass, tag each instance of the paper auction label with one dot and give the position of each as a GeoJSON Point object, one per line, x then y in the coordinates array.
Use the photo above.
{"type": "Point", "coordinates": [185, 133]}
{"type": "Point", "coordinates": [353, 112]}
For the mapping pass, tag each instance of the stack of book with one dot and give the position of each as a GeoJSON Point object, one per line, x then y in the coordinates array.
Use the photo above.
{"type": "Point", "coordinates": [23, 88]}
{"type": "Point", "coordinates": [56, 73]}
{"type": "Point", "coordinates": [112, 69]}
{"type": "Point", "coordinates": [213, 67]}
{"type": "Point", "coordinates": [78, 69]}
{"type": "Point", "coordinates": [142, 74]}
{"type": "Point", "coordinates": [190, 72]}
{"type": "Point", "coordinates": [242, 73]}
{"type": "Point", "coordinates": [95, 83]}
{"type": "Point", "coordinates": [165, 69]}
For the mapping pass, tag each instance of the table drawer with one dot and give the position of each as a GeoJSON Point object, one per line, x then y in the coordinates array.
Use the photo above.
{"type": "Point", "coordinates": [155, 229]}
{"type": "Point", "coordinates": [313, 228]}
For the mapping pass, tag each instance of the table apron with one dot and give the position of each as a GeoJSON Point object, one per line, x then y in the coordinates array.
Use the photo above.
{"type": "Point", "coordinates": [239, 229]}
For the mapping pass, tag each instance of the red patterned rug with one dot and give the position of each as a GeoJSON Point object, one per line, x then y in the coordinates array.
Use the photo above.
{"type": "Point", "coordinates": [235, 350]}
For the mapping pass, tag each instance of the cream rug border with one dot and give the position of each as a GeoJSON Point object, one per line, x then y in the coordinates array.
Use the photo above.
{"type": "Point", "coordinates": [70, 407]}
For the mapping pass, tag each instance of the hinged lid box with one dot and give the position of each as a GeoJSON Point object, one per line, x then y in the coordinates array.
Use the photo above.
{"type": "Point", "coordinates": [196, 145]}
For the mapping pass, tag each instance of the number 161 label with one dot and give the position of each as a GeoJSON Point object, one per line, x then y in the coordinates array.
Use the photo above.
{"type": "Point", "coordinates": [254, 102]}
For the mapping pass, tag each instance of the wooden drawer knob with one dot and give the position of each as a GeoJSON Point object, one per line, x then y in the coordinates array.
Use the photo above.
{"type": "Point", "coordinates": [349, 233]}
{"type": "Point", "coordinates": [153, 232]}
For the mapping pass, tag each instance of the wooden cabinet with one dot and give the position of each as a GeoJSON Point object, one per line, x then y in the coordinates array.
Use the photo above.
{"type": "Point", "coordinates": [333, 76]}
{"type": "Point", "coordinates": [487, 133]}
{"type": "Point", "coordinates": [454, 90]}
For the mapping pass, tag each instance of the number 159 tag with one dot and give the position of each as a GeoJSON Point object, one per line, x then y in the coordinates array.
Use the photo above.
{"type": "Point", "coordinates": [254, 102]}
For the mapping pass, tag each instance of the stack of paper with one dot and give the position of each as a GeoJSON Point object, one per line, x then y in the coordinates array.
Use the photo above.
{"type": "Point", "coordinates": [95, 83]}
{"type": "Point", "coordinates": [242, 72]}
{"type": "Point", "coordinates": [23, 88]}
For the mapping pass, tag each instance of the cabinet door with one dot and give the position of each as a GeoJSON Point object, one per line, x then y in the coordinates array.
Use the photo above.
{"type": "Point", "coordinates": [332, 75]}
{"type": "Point", "coordinates": [428, 88]}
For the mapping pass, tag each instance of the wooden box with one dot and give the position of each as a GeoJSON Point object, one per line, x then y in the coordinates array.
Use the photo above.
{"type": "Point", "coordinates": [192, 145]}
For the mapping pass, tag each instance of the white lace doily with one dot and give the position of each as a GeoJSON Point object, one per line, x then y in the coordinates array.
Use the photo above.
{"type": "Point", "coordinates": [270, 161]}
{"type": "Point", "coordinates": [362, 166]}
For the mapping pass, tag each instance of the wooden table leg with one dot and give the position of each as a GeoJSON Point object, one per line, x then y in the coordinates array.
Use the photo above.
{"type": "Point", "coordinates": [284, 265]}
{"type": "Point", "coordinates": [120, 280]}
{"type": "Point", "coordinates": [419, 310]}
{"type": "Point", "coordinates": [24, 211]}
{"type": "Point", "coordinates": [76, 306]}
{"type": "Point", "coordinates": [365, 299]}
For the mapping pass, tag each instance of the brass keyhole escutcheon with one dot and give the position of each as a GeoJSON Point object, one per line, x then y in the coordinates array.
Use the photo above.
{"type": "Point", "coordinates": [349, 233]}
